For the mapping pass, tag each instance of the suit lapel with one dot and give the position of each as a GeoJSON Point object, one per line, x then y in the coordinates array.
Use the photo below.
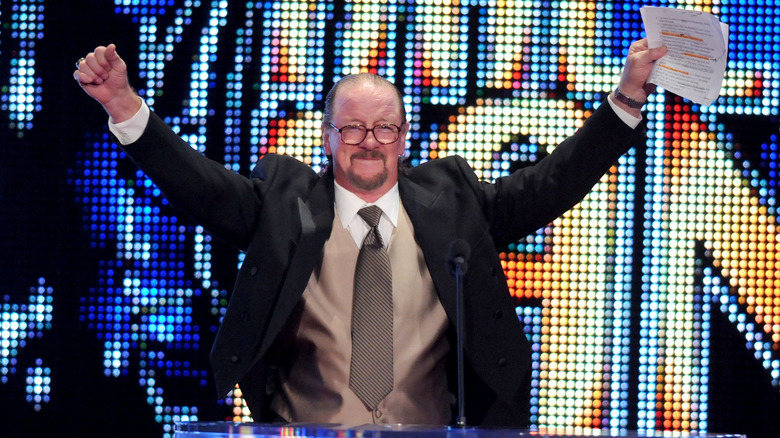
{"type": "Point", "coordinates": [316, 216]}
{"type": "Point", "coordinates": [434, 222]}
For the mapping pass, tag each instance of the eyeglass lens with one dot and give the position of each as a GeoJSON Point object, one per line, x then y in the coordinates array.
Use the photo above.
{"type": "Point", "coordinates": [356, 134]}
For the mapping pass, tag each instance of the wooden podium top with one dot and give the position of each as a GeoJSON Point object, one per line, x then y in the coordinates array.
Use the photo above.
{"type": "Point", "coordinates": [249, 430]}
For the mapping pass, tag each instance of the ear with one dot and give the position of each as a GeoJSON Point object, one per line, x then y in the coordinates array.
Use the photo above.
{"type": "Point", "coordinates": [401, 148]}
{"type": "Point", "coordinates": [326, 141]}
{"type": "Point", "coordinates": [403, 136]}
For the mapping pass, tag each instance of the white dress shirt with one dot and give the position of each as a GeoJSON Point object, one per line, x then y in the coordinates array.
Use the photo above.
{"type": "Point", "coordinates": [348, 204]}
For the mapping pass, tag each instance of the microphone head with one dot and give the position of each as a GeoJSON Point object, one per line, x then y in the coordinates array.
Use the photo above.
{"type": "Point", "coordinates": [457, 256]}
{"type": "Point", "coordinates": [459, 248]}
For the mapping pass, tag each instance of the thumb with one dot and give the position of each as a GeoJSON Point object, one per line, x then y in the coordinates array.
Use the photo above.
{"type": "Point", "coordinates": [657, 53]}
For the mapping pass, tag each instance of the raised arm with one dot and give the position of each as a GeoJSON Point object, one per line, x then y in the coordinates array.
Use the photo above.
{"type": "Point", "coordinates": [102, 74]}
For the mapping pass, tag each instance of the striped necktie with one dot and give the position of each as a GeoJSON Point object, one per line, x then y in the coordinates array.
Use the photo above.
{"type": "Point", "coordinates": [371, 374]}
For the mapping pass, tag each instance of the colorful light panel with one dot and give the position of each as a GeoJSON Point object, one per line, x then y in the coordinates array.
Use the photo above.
{"type": "Point", "coordinates": [20, 324]}
{"type": "Point", "coordinates": [20, 98]}
{"type": "Point", "coordinates": [616, 295]}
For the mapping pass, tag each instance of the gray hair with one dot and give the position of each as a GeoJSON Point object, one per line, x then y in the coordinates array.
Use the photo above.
{"type": "Point", "coordinates": [364, 78]}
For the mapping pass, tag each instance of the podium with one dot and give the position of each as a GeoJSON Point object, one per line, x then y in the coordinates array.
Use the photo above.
{"type": "Point", "coordinates": [259, 430]}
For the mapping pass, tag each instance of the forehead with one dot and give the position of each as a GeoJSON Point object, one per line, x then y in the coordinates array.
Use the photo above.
{"type": "Point", "coordinates": [367, 98]}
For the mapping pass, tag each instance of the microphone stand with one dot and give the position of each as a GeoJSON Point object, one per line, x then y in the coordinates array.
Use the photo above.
{"type": "Point", "coordinates": [459, 253]}
{"type": "Point", "coordinates": [461, 419]}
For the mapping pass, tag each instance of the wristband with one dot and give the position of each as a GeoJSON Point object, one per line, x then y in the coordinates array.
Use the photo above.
{"type": "Point", "coordinates": [620, 97]}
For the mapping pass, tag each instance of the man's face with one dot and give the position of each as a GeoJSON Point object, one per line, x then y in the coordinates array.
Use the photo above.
{"type": "Point", "coordinates": [368, 169]}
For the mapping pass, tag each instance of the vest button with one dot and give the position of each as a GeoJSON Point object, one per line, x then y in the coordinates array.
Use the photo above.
{"type": "Point", "coordinates": [253, 271]}
{"type": "Point", "coordinates": [235, 359]}
{"type": "Point", "coordinates": [502, 362]}
{"type": "Point", "coordinates": [498, 314]}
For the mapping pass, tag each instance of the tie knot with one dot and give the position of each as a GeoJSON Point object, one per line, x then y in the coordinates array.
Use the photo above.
{"type": "Point", "coordinates": [371, 215]}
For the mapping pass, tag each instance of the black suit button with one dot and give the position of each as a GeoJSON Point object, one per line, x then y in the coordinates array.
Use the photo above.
{"type": "Point", "coordinates": [492, 271]}
{"type": "Point", "coordinates": [245, 316]}
{"type": "Point", "coordinates": [498, 314]}
{"type": "Point", "coordinates": [502, 362]}
{"type": "Point", "coordinates": [253, 271]}
{"type": "Point", "coordinates": [235, 359]}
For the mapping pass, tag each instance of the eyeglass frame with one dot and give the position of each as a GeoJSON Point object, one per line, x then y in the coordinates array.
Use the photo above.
{"type": "Point", "coordinates": [366, 131]}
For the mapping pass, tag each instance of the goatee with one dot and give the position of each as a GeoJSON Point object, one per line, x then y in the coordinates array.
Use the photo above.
{"type": "Point", "coordinates": [372, 182]}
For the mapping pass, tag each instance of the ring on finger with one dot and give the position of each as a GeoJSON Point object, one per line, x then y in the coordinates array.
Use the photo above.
{"type": "Point", "coordinates": [79, 62]}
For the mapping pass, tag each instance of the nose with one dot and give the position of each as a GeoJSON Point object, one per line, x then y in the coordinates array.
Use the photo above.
{"type": "Point", "coordinates": [370, 142]}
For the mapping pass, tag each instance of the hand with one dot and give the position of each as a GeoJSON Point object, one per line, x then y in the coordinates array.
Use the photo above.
{"type": "Point", "coordinates": [636, 70]}
{"type": "Point", "coordinates": [102, 74]}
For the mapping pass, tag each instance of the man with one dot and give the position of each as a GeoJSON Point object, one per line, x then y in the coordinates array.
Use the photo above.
{"type": "Point", "coordinates": [288, 335]}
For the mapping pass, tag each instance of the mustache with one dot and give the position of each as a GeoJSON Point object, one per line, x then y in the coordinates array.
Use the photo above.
{"type": "Point", "coordinates": [371, 154]}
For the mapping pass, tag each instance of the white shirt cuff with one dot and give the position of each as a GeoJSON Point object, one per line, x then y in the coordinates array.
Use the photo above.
{"type": "Point", "coordinates": [627, 118]}
{"type": "Point", "coordinates": [131, 129]}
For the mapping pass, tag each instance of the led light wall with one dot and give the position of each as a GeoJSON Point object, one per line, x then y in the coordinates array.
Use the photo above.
{"type": "Point", "coordinates": [617, 296]}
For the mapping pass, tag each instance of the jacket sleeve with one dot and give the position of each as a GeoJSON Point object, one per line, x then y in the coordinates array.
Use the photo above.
{"type": "Point", "coordinates": [531, 197]}
{"type": "Point", "coordinates": [224, 202]}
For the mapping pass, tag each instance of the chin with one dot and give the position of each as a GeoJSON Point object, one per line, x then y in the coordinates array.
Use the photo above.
{"type": "Point", "coordinates": [368, 184]}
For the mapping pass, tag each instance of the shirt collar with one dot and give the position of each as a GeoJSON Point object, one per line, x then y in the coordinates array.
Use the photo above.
{"type": "Point", "coordinates": [348, 204]}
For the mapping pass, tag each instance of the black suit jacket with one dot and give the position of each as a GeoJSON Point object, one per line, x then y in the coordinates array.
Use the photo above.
{"type": "Point", "coordinates": [282, 215]}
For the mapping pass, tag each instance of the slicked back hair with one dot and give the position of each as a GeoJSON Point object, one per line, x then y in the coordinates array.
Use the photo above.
{"type": "Point", "coordinates": [360, 78]}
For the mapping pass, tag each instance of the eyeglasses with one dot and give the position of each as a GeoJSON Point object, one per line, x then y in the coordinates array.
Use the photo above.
{"type": "Point", "coordinates": [355, 134]}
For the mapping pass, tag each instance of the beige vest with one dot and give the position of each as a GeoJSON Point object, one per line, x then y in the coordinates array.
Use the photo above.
{"type": "Point", "coordinates": [314, 384]}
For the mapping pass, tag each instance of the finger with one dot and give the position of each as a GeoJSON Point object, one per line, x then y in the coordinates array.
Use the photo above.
{"type": "Point", "coordinates": [648, 56]}
{"type": "Point", "coordinates": [647, 59]}
{"type": "Point", "coordinates": [657, 53]}
{"type": "Point", "coordinates": [96, 63]}
{"type": "Point", "coordinates": [638, 46]}
{"type": "Point", "coordinates": [100, 55]}
{"type": "Point", "coordinates": [81, 67]}
{"type": "Point", "coordinates": [86, 78]}
{"type": "Point", "coordinates": [110, 54]}
{"type": "Point", "coordinates": [116, 62]}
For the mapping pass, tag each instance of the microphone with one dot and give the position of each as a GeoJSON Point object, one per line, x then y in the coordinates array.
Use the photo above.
{"type": "Point", "coordinates": [457, 265]}
{"type": "Point", "coordinates": [458, 256]}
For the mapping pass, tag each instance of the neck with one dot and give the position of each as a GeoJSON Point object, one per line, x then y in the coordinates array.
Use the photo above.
{"type": "Point", "coordinates": [367, 197]}
{"type": "Point", "coordinates": [372, 196]}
